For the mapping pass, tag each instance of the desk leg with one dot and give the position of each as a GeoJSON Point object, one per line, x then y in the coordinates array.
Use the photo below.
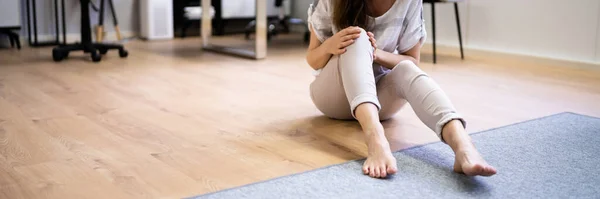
{"type": "Point", "coordinates": [261, 29]}
{"type": "Point", "coordinates": [206, 22]}
{"type": "Point", "coordinates": [260, 46]}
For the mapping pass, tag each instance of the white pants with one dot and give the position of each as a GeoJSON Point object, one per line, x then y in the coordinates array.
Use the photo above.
{"type": "Point", "coordinates": [348, 81]}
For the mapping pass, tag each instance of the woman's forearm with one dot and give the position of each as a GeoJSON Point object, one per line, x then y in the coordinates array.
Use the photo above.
{"type": "Point", "coordinates": [318, 57]}
{"type": "Point", "coordinates": [390, 60]}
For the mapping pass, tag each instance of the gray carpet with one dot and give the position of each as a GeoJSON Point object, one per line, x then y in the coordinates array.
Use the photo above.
{"type": "Point", "coordinates": [551, 157]}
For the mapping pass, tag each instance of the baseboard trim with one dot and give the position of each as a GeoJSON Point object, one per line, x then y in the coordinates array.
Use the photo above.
{"type": "Point", "coordinates": [76, 37]}
{"type": "Point", "coordinates": [494, 50]}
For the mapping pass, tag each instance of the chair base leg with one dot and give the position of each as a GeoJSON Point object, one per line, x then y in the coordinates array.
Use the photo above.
{"type": "Point", "coordinates": [433, 27]}
{"type": "Point", "coordinates": [457, 16]}
{"type": "Point", "coordinates": [99, 33]}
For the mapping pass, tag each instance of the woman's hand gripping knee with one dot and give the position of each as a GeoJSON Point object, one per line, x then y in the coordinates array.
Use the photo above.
{"type": "Point", "coordinates": [337, 44]}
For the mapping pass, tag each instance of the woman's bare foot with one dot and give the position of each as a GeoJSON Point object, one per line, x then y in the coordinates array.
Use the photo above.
{"type": "Point", "coordinates": [380, 161]}
{"type": "Point", "coordinates": [471, 163]}
{"type": "Point", "coordinates": [467, 159]}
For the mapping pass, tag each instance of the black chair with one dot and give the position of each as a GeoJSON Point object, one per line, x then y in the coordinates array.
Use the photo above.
{"type": "Point", "coordinates": [12, 37]}
{"type": "Point", "coordinates": [96, 50]}
{"type": "Point", "coordinates": [433, 2]}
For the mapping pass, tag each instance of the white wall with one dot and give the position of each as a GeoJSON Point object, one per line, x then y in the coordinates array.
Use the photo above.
{"type": "Point", "coordinates": [598, 37]}
{"type": "Point", "coordinates": [558, 29]}
{"type": "Point", "coordinates": [546, 28]}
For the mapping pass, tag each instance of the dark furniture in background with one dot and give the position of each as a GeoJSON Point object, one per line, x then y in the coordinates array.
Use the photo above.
{"type": "Point", "coordinates": [182, 23]}
{"type": "Point", "coordinates": [180, 20]}
{"type": "Point", "coordinates": [433, 2]}
{"type": "Point", "coordinates": [32, 17]}
{"type": "Point", "coordinates": [279, 25]}
{"type": "Point", "coordinates": [96, 50]}
{"type": "Point", "coordinates": [222, 26]}
{"type": "Point", "coordinates": [12, 36]}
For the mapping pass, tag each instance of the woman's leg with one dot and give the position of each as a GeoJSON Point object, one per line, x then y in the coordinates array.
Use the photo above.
{"type": "Point", "coordinates": [327, 92]}
{"type": "Point", "coordinates": [432, 106]}
{"type": "Point", "coordinates": [353, 76]}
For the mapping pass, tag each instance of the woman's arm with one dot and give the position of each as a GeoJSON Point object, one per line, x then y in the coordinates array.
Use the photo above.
{"type": "Point", "coordinates": [390, 60]}
{"type": "Point", "coordinates": [410, 41]}
{"type": "Point", "coordinates": [319, 53]}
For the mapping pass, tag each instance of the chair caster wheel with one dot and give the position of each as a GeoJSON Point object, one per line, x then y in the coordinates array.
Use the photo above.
{"type": "Point", "coordinates": [123, 53]}
{"type": "Point", "coordinates": [58, 55]}
{"type": "Point", "coordinates": [96, 57]}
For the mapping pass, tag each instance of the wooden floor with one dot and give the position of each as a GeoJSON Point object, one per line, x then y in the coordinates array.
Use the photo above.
{"type": "Point", "coordinates": [172, 121]}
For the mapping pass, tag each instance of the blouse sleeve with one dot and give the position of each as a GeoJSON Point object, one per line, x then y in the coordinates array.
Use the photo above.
{"type": "Point", "coordinates": [320, 19]}
{"type": "Point", "coordinates": [414, 27]}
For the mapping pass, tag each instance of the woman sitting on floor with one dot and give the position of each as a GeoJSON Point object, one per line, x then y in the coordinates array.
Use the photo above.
{"type": "Point", "coordinates": [365, 54]}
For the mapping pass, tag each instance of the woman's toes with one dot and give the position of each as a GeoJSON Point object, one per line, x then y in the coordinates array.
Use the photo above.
{"type": "Point", "coordinates": [372, 172]}
{"type": "Point", "coordinates": [489, 170]}
{"type": "Point", "coordinates": [382, 172]}
{"type": "Point", "coordinates": [377, 173]}
{"type": "Point", "coordinates": [365, 170]}
{"type": "Point", "coordinates": [391, 170]}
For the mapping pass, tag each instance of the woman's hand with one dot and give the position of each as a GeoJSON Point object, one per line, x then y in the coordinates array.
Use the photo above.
{"type": "Point", "coordinates": [373, 43]}
{"type": "Point", "coordinates": [337, 44]}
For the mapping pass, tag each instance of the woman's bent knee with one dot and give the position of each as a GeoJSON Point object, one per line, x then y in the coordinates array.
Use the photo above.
{"type": "Point", "coordinates": [363, 37]}
{"type": "Point", "coordinates": [407, 70]}
{"type": "Point", "coordinates": [361, 42]}
{"type": "Point", "coordinates": [358, 53]}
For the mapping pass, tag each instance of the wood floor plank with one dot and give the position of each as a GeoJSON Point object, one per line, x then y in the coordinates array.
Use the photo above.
{"type": "Point", "coordinates": [23, 144]}
{"type": "Point", "coordinates": [65, 179]}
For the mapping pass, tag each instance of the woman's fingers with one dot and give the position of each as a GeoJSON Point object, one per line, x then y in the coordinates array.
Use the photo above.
{"type": "Point", "coordinates": [370, 34]}
{"type": "Point", "coordinates": [349, 37]}
{"type": "Point", "coordinates": [351, 30]}
{"type": "Point", "coordinates": [346, 43]}
{"type": "Point", "coordinates": [372, 39]}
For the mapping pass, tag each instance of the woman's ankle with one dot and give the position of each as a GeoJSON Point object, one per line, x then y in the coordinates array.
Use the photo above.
{"type": "Point", "coordinates": [376, 140]}
{"type": "Point", "coordinates": [375, 131]}
{"type": "Point", "coordinates": [367, 115]}
{"type": "Point", "coordinates": [455, 135]}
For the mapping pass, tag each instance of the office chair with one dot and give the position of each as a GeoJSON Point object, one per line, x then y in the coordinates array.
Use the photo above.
{"type": "Point", "coordinates": [96, 50]}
